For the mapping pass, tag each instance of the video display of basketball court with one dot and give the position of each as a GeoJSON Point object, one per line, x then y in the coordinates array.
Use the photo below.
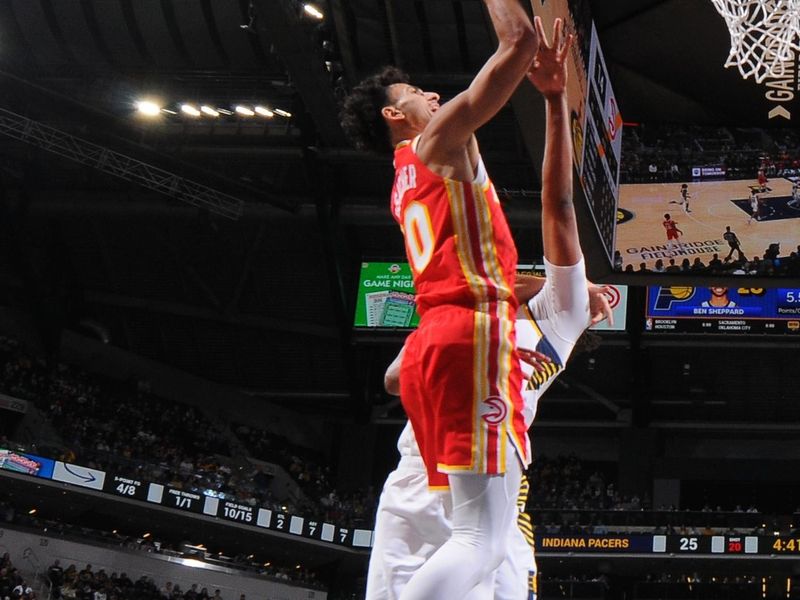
{"type": "Point", "coordinates": [713, 206]}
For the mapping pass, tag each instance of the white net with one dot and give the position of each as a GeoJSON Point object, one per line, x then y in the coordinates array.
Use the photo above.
{"type": "Point", "coordinates": [765, 35]}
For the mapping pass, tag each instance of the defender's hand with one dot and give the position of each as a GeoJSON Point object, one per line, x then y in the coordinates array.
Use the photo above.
{"type": "Point", "coordinates": [599, 306]}
{"type": "Point", "coordinates": [548, 73]}
{"type": "Point", "coordinates": [535, 359]}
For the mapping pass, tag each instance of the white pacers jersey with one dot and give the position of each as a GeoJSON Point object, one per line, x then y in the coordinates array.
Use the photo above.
{"type": "Point", "coordinates": [412, 522]}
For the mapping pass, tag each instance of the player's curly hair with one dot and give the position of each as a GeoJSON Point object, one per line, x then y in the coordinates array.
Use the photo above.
{"type": "Point", "coordinates": [361, 111]}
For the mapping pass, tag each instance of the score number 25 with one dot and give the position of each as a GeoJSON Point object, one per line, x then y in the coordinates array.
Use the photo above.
{"type": "Point", "coordinates": [688, 544]}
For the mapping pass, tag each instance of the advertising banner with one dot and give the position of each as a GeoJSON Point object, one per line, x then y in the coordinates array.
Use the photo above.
{"type": "Point", "coordinates": [29, 464]}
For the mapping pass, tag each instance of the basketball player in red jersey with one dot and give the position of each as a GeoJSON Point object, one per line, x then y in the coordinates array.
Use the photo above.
{"type": "Point", "coordinates": [460, 374]}
{"type": "Point", "coordinates": [673, 233]}
{"type": "Point", "coordinates": [762, 181]}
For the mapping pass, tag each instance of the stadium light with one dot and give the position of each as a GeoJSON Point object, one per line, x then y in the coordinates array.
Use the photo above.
{"type": "Point", "coordinates": [264, 112]}
{"type": "Point", "coordinates": [193, 563]}
{"type": "Point", "coordinates": [207, 110]}
{"type": "Point", "coordinates": [244, 111]}
{"type": "Point", "coordinates": [148, 108]}
{"type": "Point", "coordinates": [224, 111]}
{"type": "Point", "coordinates": [282, 113]}
{"type": "Point", "coordinates": [190, 110]}
{"type": "Point", "coordinates": [313, 11]}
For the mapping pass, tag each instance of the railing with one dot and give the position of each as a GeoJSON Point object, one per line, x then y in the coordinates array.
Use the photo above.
{"type": "Point", "coordinates": [83, 535]}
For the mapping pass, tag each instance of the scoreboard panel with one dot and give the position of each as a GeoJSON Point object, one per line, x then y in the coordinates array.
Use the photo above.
{"type": "Point", "coordinates": [595, 120]}
{"type": "Point", "coordinates": [670, 545]}
{"type": "Point", "coordinates": [705, 544]}
{"type": "Point", "coordinates": [685, 309]}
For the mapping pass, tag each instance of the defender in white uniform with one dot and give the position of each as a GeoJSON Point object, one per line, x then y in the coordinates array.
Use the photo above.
{"type": "Point", "coordinates": [412, 522]}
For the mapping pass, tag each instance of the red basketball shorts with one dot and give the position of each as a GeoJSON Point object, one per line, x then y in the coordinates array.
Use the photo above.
{"type": "Point", "coordinates": [672, 234]}
{"type": "Point", "coordinates": [460, 384]}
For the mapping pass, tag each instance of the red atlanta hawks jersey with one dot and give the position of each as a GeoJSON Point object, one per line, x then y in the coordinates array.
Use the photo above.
{"type": "Point", "coordinates": [456, 235]}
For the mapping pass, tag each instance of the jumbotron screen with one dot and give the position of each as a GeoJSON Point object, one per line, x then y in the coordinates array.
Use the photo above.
{"type": "Point", "coordinates": [744, 310]}
{"type": "Point", "coordinates": [768, 225]}
{"type": "Point", "coordinates": [698, 201]}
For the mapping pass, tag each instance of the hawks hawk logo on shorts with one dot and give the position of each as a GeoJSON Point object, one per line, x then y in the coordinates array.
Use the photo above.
{"type": "Point", "coordinates": [494, 410]}
{"type": "Point", "coordinates": [551, 369]}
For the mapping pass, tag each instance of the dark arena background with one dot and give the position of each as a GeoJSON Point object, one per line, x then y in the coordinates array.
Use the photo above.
{"type": "Point", "coordinates": [201, 287]}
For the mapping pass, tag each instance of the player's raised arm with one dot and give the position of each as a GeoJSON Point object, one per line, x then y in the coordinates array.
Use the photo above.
{"type": "Point", "coordinates": [527, 286]}
{"type": "Point", "coordinates": [452, 126]}
{"type": "Point", "coordinates": [548, 74]}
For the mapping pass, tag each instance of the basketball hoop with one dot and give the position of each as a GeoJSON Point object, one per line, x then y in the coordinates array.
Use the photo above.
{"type": "Point", "coordinates": [765, 34]}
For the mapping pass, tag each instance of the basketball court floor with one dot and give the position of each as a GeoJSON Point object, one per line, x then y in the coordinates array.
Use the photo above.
{"type": "Point", "coordinates": [641, 237]}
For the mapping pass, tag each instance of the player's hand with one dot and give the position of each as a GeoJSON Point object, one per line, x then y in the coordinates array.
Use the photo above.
{"type": "Point", "coordinates": [548, 73]}
{"type": "Point", "coordinates": [535, 359]}
{"type": "Point", "coordinates": [599, 304]}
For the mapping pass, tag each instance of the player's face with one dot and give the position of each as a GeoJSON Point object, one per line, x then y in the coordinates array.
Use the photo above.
{"type": "Point", "coordinates": [417, 106]}
{"type": "Point", "coordinates": [719, 292]}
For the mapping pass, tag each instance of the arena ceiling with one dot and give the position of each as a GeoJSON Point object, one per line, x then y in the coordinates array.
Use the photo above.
{"type": "Point", "coordinates": [263, 301]}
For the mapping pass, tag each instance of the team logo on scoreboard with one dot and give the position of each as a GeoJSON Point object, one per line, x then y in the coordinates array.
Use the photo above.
{"type": "Point", "coordinates": [394, 269]}
{"type": "Point", "coordinates": [667, 296]}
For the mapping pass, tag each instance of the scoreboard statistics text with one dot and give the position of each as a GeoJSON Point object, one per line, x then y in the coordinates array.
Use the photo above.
{"type": "Point", "coordinates": [676, 545]}
{"type": "Point", "coordinates": [246, 514]}
{"type": "Point", "coordinates": [683, 309]}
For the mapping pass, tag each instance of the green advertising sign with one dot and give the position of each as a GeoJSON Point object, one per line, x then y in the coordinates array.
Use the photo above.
{"type": "Point", "coordinates": [386, 296]}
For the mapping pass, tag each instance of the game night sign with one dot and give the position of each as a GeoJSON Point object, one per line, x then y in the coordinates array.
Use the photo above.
{"type": "Point", "coordinates": [386, 296]}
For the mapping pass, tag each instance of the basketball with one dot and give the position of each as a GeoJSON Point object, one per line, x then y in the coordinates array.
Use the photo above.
{"type": "Point", "coordinates": [681, 293]}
